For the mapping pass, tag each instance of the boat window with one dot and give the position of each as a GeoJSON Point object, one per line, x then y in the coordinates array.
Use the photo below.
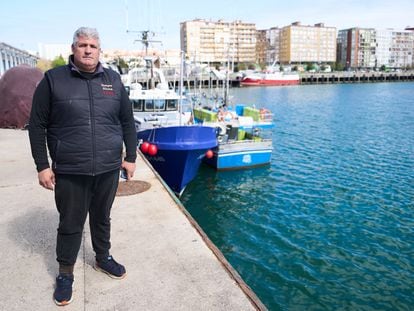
{"type": "Point", "coordinates": [137, 104]}
{"type": "Point", "coordinates": [149, 105]}
{"type": "Point", "coordinates": [172, 104]}
{"type": "Point", "coordinates": [154, 105]}
{"type": "Point", "coordinates": [159, 104]}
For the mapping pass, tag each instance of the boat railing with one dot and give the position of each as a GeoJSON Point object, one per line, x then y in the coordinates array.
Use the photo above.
{"type": "Point", "coordinates": [255, 141]}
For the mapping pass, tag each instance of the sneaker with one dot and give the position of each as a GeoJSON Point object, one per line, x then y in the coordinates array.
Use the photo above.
{"type": "Point", "coordinates": [63, 290]}
{"type": "Point", "coordinates": [111, 268]}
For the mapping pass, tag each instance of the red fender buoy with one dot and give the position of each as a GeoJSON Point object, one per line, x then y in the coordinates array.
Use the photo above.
{"type": "Point", "coordinates": [152, 150]}
{"type": "Point", "coordinates": [144, 147]}
{"type": "Point", "coordinates": [209, 154]}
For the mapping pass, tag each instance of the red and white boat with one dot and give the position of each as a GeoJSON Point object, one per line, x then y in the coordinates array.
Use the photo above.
{"type": "Point", "coordinates": [271, 78]}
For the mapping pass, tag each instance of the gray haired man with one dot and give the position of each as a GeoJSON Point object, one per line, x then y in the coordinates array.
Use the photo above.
{"type": "Point", "coordinates": [83, 113]}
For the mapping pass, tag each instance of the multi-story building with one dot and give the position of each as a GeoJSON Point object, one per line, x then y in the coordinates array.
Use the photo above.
{"type": "Point", "coordinates": [300, 43]}
{"type": "Point", "coordinates": [273, 38]}
{"type": "Point", "coordinates": [372, 48]}
{"type": "Point", "coordinates": [341, 48]}
{"type": "Point", "coordinates": [217, 42]}
{"type": "Point", "coordinates": [412, 30]}
{"type": "Point", "coordinates": [402, 45]}
{"type": "Point", "coordinates": [262, 46]}
{"type": "Point", "coordinates": [11, 57]}
{"type": "Point", "coordinates": [357, 47]}
{"type": "Point", "coordinates": [220, 41]}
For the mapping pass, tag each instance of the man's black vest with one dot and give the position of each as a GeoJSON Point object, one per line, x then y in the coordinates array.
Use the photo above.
{"type": "Point", "coordinates": [84, 134]}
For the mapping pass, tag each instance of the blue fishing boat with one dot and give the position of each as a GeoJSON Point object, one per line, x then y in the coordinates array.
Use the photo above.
{"type": "Point", "coordinates": [180, 150]}
{"type": "Point", "coordinates": [240, 154]}
{"type": "Point", "coordinates": [165, 131]}
{"type": "Point", "coordinates": [244, 139]}
{"type": "Point", "coordinates": [166, 136]}
{"type": "Point", "coordinates": [243, 132]}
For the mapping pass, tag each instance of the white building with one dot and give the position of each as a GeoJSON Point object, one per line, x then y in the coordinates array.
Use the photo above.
{"type": "Point", "coordinates": [273, 37]}
{"type": "Point", "coordinates": [372, 48]}
{"type": "Point", "coordinates": [401, 53]}
{"type": "Point", "coordinates": [11, 57]}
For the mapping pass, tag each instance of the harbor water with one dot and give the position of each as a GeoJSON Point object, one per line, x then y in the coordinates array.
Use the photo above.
{"type": "Point", "coordinates": [329, 224]}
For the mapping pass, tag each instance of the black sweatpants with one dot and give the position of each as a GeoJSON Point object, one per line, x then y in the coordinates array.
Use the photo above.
{"type": "Point", "coordinates": [75, 196]}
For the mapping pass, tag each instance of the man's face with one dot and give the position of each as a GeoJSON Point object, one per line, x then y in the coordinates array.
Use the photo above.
{"type": "Point", "coordinates": [86, 54]}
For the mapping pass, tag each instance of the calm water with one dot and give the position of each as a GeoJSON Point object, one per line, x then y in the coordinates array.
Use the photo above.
{"type": "Point", "coordinates": [329, 224]}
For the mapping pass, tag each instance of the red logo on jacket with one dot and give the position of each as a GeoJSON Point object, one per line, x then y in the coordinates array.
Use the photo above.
{"type": "Point", "coordinates": [108, 90]}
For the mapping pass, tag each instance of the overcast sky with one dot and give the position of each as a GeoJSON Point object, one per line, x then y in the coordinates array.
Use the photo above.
{"type": "Point", "coordinates": [24, 23]}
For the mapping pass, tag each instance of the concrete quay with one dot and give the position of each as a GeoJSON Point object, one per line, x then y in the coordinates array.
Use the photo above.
{"type": "Point", "coordinates": [305, 78]}
{"type": "Point", "coordinates": [171, 264]}
{"type": "Point", "coordinates": [356, 77]}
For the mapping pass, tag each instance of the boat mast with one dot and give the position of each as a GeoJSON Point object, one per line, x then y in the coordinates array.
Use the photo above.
{"type": "Point", "coordinates": [146, 38]}
{"type": "Point", "coordinates": [180, 105]}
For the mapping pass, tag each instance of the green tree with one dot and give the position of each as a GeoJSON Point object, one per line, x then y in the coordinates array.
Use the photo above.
{"type": "Point", "coordinates": [122, 64]}
{"type": "Point", "coordinates": [241, 66]}
{"type": "Point", "coordinates": [337, 66]}
{"type": "Point", "coordinates": [58, 61]}
{"type": "Point", "coordinates": [251, 66]}
{"type": "Point", "coordinates": [310, 66]}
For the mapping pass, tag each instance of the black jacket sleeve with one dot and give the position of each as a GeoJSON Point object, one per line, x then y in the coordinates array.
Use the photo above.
{"type": "Point", "coordinates": [38, 122]}
{"type": "Point", "coordinates": [128, 127]}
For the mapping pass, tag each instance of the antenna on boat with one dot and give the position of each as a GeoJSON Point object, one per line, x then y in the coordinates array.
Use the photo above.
{"type": "Point", "coordinates": [147, 36]}
{"type": "Point", "coordinates": [126, 15]}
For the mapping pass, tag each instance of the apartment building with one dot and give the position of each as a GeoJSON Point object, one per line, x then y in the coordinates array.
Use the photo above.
{"type": "Point", "coordinates": [262, 46]}
{"type": "Point", "coordinates": [395, 48]}
{"type": "Point", "coordinates": [373, 48]}
{"type": "Point", "coordinates": [273, 38]}
{"type": "Point", "coordinates": [218, 41]}
{"type": "Point", "coordinates": [357, 48]}
{"type": "Point", "coordinates": [300, 44]}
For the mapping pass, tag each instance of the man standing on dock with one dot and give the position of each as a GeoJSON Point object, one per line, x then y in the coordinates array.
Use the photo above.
{"type": "Point", "coordinates": [83, 112]}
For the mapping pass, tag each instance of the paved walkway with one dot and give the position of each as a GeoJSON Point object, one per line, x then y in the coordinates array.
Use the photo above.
{"type": "Point", "coordinates": [170, 264]}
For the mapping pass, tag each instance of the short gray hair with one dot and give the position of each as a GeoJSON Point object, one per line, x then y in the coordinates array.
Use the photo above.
{"type": "Point", "coordinates": [86, 32]}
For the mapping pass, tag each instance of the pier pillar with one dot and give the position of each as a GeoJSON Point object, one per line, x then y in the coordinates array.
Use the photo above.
{"type": "Point", "coordinates": [1, 64]}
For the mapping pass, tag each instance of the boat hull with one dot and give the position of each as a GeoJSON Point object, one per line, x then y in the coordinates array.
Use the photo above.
{"type": "Point", "coordinates": [267, 82]}
{"type": "Point", "coordinates": [241, 155]}
{"type": "Point", "coordinates": [180, 152]}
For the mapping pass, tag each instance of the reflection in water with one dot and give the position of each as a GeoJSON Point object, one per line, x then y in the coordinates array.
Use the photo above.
{"type": "Point", "coordinates": [328, 225]}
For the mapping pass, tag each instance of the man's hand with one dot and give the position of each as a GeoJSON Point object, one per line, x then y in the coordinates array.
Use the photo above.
{"type": "Point", "coordinates": [129, 168]}
{"type": "Point", "coordinates": [47, 179]}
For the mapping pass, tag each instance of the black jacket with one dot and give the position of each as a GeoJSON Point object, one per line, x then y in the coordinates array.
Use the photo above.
{"type": "Point", "coordinates": [89, 116]}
